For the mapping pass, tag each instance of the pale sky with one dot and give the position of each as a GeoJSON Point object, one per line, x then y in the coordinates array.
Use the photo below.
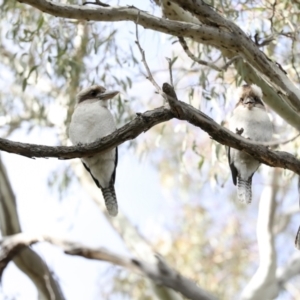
{"type": "Point", "coordinates": [140, 195]}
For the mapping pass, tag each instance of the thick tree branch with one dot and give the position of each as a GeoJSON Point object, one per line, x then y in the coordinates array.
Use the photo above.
{"type": "Point", "coordinates": [200, 33]}
{"type": "Point", "coordinates": [213, 30]}
{"type": "Point", "coordinates": [141, 123]}
{"type": "Point", "coordinates": [269, 70]}
{"type": "Point", "coordinates": [161, 273]}
{"type": "Point", "coordinates": [273, 99]}
{"type": "Point", "coordinates": [222, 135]}
{"type": "Point", "coordinates": [263, 284]}
{"type": "Point", "coordinates": [27, 260]}
{"type": "Point", "coordinates": [297, 239]}
{"type": "Point", "coordinates": [198, 12]}
{"type": "Point", "coordinates": [247, 46]}
{"type": "Point", "coordinates": [145, 121]}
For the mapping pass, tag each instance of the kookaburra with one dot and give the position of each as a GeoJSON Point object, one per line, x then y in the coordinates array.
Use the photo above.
{"type": "Point", "coordinates": [251, 120]}
{"type": "Point", "coordinates": [91, 121]}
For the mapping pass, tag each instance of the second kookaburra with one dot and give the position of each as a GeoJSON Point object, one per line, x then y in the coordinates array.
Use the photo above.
{"type": "Point", "coordinates": [91, 121]}
{"type": "Point", "coordinates": [251, 120]}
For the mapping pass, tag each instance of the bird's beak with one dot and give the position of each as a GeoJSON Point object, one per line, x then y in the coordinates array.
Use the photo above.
{"type": "Point", "coordinates": [249, 100]}
{"type": "Point", "coordinates": [107, 95]}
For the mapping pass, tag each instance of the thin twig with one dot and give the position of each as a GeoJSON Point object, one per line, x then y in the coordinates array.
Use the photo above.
{"type": "Point", "coordinates": [194, 58]}
{"type": "Point", "coordinates": [273, 5]}
{"type": "Point", "coordinates": [187, 112]}
{"type": "Point", "coordinates": [293, 59]}
{"type": "Point", "coordinates": [230, 62]}
{"type": "Point", "coordinates": [274, 144]}
{"type": "Point", "coordinates": [203, 62]}
{"type": "Point", "coordinates": [160, 272]}
{"type": "Point", "coordinates": [144, 61]}
{"type": "Point", "coordinates": [267, 40]}
{"type": "Point", "coordinates": [279, 142]}
{"type": "Point", "coordinates": [170, 70]}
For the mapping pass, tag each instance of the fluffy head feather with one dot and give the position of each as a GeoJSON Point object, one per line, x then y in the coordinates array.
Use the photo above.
{"type": "Point", "coordinates": [250, 95]}
{"type": "Point", "coordinates": [95, 92]}
{"type": "Point", "coordinates": [250, 90]}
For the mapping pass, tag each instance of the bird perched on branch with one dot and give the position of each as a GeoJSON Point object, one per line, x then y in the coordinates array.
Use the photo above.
{"type": "Point", "coordinates": [91, 121]}
{"type": "Point", "coordinates": [251, 120]}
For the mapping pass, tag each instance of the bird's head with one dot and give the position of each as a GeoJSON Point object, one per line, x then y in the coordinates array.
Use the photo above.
{"type": "Point", "coordinates": [250, 96]}
{"type": "Point", "coordinates": [95, 93]}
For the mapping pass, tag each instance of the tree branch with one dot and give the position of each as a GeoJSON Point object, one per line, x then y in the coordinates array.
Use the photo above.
{"type": "Point", "coordinates": [224, 136]}
{"type": "Point", "coordinates": [145, 121]}
{"type": "Point", "coordinates": [200, 33]}
{"type": "Point", "coordinates": [144, 61]}
{"type": "Point", "coordinates": [161, 273]}
{"type": "Point", "coordinates": [297, 239]}
{"type": "Point", "coordinates": [213, 30]}
{"type": "Point", "coordinates": [203, 62]}
{"type": "Point", "coordinates": [198, 12]}
{"type": "Point", "coordinates": [289, 270]}
{"type": "Point", "coordinates": [263, 284]}
{"type": "Point", "coordinates": [248, 49]}
{"type": "Point", "coordinates": [27, 260]}
{"type": "Point", "coordinates": [142, 123]}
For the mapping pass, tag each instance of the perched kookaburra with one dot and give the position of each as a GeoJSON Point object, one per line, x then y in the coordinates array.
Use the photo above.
{"type": "Point", "coordinates": [251, 120]}
{"type": "Point", "coordinates": [91, 121]}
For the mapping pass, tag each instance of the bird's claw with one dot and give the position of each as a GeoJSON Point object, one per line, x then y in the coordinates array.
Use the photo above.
{"type": "Point", "coordinates": [239, 131]}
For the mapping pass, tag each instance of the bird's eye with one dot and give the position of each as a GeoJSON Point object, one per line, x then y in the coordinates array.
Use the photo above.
{"type": "Point", "coordinates": [93, 93]}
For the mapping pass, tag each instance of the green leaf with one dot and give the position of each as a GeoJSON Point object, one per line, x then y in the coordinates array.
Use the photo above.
{"type": "Point", "coordinates": [24, 84]}
{"type": "Point", "coordinates": [31, 70]}
{"type": "Point", "coordinates": [174, 60]}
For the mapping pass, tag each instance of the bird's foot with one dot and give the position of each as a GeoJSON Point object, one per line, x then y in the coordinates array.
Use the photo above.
{"type": "Point", "coordinates": [239, 131]}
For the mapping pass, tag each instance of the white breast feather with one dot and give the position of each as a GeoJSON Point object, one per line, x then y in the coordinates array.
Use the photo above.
{"type": "Point", "coordinates": [255, 122]}
{"type": "Point", "coordinates": [90, 122]}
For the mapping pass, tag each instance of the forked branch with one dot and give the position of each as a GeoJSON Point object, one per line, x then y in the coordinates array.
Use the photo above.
{"type": "Point", "coordinates": [144, 121]}
{"type": "Point", "coordinates": [161, 273]}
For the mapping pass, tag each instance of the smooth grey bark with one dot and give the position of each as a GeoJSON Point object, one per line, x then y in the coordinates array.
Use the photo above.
{"type": "Point", "coordinates": [211, 29]}
{"type": "Point", "coordinates": [263, 284]}
{"type": "Point", "coordinates": [27, 260]}
{"type": "Point", "coordinates": [159, 271]}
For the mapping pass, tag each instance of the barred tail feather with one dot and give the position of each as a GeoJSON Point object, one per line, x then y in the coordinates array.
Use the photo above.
{"type": "Point", "coordinates": [244, 190]}
{"type": "Point", "coordinates": [110, 199]}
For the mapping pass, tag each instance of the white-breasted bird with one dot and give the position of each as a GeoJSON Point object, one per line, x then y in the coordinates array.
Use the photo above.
{"type": "Point", "coordinates": [91, 121]}
{"type": "Point", "coordinates": [251, 120]}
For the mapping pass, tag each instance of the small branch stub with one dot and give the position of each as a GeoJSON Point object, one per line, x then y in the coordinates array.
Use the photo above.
{"type": "Point", "coordinates": [173, 101]}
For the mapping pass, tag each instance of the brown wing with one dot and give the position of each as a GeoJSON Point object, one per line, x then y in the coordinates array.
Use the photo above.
{"type": "Point", "coordinates": [96, 181]}
{"type": "Point", "coordinates": [113, 176]}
